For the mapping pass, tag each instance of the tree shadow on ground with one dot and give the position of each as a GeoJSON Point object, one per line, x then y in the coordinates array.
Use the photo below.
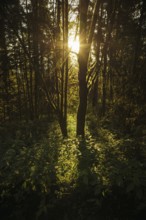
{"type": "Point", "coordinates": [81, 178]}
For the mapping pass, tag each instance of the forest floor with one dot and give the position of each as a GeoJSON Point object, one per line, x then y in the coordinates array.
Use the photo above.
{"type": "Point", "coordinates": [43, 176]}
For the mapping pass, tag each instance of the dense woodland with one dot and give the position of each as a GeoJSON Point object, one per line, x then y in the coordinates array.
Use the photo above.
{"type": "Point", "coordinates": [72, 120]}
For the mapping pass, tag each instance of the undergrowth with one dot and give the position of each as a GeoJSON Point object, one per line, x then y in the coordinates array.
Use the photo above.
{"type": "Point", "coordinates": [43, 176]}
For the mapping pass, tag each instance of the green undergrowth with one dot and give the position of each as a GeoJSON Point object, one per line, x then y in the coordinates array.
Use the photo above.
{"type": "Point", "coordinates": [44, 176]}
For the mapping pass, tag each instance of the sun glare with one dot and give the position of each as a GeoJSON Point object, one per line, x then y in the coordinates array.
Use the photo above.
{"type": "Point", "coordinates": [74, 45]}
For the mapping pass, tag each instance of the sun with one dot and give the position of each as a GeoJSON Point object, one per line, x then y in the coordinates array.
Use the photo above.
{"type": "Point", "coordinates": [74, 45]}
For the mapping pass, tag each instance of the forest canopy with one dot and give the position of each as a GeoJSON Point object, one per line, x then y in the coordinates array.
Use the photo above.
{"type": "Point", "coordinates": [50, 49]}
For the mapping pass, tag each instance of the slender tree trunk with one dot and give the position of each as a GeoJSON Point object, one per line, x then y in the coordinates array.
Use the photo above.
{"type": "Point", "coordinates": [95, 86]}
{"type": "Point", "coordinates": [137, 42]}
{"type": "Point", "coordinates": [36, 66]}
{"type": "Point", "coordinates": [66, 64]}
{"type": "Point", "coordinates": [30, 77]}
{"type": "Point", "coordinates": [104, 76]}
{"type": "Point", "coordinates": [61, 59]}
{"type": "Point", "coordinates": [81, 114]}
{"type": "Point", "coordinates": [64, 71]}
{"type": "Point", "coordinates": [85, 45]}
{"type": "Point", "coordinates": [83, 59]}
{"type": "Point", "coordinates": [18, 93]}
{"type": "Point", "coordinates": [5, 66]}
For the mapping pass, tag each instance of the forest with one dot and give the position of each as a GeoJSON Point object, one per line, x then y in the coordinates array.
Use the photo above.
{"type": "Point", "coordinates": [72, 110]}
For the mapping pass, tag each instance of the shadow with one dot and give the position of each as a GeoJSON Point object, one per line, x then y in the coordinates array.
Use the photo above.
{"type": "Point", "coordinates": [84, 198]}
{"type": "Point", "coordinates": [74, 179]}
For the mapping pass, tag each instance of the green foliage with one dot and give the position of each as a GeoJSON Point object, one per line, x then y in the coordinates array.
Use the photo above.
{"type": "Point", "coordinates": [42, 175]}
{"type": "Point", "coordinates": [79, 177]}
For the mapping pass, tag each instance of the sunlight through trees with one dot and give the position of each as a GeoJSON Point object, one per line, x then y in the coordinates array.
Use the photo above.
{"type": "Point", "coordinates": [74, 45]}
{"type": "Point", "coordinates": [72, 109]}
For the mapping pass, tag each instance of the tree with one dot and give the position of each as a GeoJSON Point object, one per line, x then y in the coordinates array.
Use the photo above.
{"type": "Point", "coordinates": [85, 46]}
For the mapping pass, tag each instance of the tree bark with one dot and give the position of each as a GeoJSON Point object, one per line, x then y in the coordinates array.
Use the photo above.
{"type": "Point", "coordinates": [36, 54]}
{"type": "Point", "coordinates": [85, 45]}
{"type": "Point", "coordinates": [83, 59]}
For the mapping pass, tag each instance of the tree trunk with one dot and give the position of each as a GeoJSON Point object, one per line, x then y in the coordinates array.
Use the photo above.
{"type": "Point", "coordinates": [81, 114]}
{"type": "Point", "coordinates": [85, 45]}
{"type": "Point", "coordinates": [4, 66]}
{"type": "Point", "coordinates": [104, 81]}
{"type": "Point", "coordinates": [36, 54]}
{"type": "Point", "coordinates": [66, 64]}
{"type": "Point", "coordinates": [61, 59]}
{"type": "Point", "coordinates": [83, 59]}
